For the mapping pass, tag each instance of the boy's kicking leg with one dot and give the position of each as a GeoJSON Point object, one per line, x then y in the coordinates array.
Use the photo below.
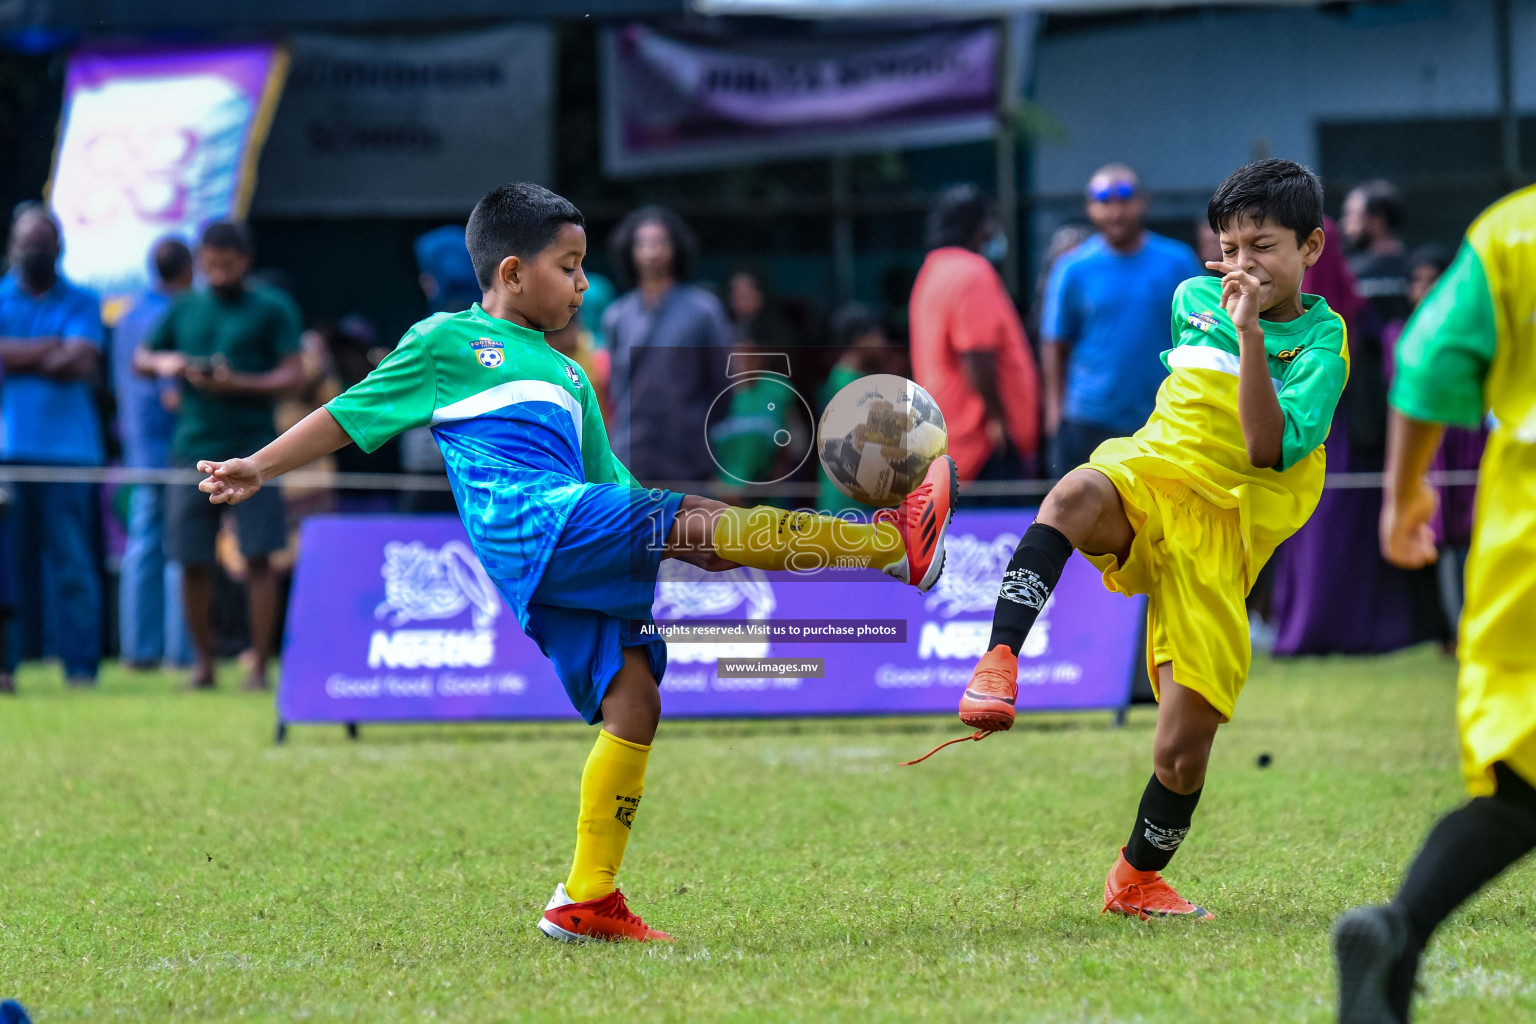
{"type": "Point", "coordinates": [589, 905]}
{"type": "Point", "coordinates": [1186, 727]}
{"type": "Point", "coordinates": [1082, 511]}
{"type": "Point", "coordinates": [601, 580]}
{"type": "Point", "coordinates": [906, 543]}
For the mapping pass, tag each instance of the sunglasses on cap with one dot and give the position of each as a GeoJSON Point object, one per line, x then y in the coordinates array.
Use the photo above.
{"type": "Point", "coordinates": [1114, 190]}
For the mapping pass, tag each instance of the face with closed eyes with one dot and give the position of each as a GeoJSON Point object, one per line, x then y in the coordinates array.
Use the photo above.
{"type": "Point", "coordinates": [1270, 253]}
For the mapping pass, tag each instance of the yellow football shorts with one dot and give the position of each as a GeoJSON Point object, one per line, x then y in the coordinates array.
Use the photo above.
{"type": "Point", "coordinates": [1188, 558]}
{"type": "Point", "coordinates": [1496, 688]}
{"type": "Point", "coordinates": [1496, 712]}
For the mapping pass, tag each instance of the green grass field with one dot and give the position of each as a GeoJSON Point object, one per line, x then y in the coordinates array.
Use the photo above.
{"type": "Point", "coordinates": [161, 860]}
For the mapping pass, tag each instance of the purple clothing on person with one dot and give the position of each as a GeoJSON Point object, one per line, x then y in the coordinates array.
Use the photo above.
{"type": "Point", "coordinates": [1334, 593]}
{"type": "Point", "coordinates": [1460, 449]}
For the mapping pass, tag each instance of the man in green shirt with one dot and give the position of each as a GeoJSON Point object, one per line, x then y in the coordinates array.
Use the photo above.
{"type": "Point", "coordinates": [234, 346]}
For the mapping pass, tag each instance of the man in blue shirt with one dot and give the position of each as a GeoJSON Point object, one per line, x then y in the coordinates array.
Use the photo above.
{"type": "Point", "coordinates": [50, 345]}
{"type": "Point", "coordinates": [150, 623]}
{"type": "Point", "coordinates": [1106, 322]}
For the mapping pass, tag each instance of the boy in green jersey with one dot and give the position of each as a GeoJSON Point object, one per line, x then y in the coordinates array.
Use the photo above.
{"type": "Point", "coordinates": [1189, 508]}
{"type": "Point", "coordinates": [573, 542]}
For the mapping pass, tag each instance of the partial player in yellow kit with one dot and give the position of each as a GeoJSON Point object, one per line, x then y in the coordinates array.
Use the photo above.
{"type": "Point", "coordinates": [1468, 352]}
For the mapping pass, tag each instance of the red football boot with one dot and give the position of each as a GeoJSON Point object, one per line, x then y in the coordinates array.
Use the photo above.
{"type": "Point", "coordinates": [606, 919]}
{"type": "Point", "coordinates": [922, 518]}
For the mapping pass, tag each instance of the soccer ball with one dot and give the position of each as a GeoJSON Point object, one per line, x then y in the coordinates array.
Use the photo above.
{"type": "Point", "coordinates": [878, 436]}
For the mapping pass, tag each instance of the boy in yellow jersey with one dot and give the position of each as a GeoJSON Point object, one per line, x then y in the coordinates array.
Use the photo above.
{"type": "Point", "coordinates": [1469, 349]}
{"type": "Point", "coordinates": [1189, 508]}
{"type": "Point", "coordinates": [570, 538]}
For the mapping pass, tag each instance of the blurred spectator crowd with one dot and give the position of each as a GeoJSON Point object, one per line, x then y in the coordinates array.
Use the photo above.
{"type": "Point", "coordinates": [215, 358]}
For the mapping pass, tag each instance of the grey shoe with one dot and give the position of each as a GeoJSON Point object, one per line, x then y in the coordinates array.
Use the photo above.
{"type": "Point", "coordinates": [80, 682]}
{"type": "Point", "coordinates": [1368, 942]}
{"type": "Point", "coordinates": [7, 683]}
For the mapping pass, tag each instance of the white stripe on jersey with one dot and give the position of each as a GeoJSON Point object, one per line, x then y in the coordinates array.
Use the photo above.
{"type": "Point", "coordinates": [513, 392]}
{"type": "Point", "coordinates": [1207, 357]}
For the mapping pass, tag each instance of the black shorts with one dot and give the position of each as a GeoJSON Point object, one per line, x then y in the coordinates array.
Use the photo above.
{"type": "Point", "coordinates": [192, 524]}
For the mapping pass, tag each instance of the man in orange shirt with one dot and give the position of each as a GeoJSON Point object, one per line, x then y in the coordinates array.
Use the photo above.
{"type": "Point", "coordinates": [968, 344]}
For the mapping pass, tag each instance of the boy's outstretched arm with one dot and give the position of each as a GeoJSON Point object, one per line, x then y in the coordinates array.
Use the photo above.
{"type": "Point", "coordinates": [1258, 407]}
{"type": "Point", "coordinates": [231, 482]}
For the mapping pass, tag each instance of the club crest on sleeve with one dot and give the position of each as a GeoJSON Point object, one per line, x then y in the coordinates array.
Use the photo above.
{"type": "Point", "coordinates": [489, 352]}
{"type": "Point", "coordinates": [1203, 321]}
{"type": "Point", "coordinates": [570, 371]}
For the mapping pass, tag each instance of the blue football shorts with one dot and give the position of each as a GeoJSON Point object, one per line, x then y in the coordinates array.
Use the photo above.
{"type": "Point", "coordinates": [598, 588]}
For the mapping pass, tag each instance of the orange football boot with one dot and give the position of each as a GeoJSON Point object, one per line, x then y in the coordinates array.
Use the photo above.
{"type": "Point", "coordinates": [988, 701]}
{"type": "Point", "coordinates": [921, 519]}
{"type": "Point", "coordinates": [1144, 894]}
{"type": "Point", "coordinates": [607, 918]}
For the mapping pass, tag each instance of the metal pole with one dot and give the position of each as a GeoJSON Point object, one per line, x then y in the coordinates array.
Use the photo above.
{"type": "Point", "coordinates": [842, 227]}
{"type": "Point", "coordinates": [1509, 117]}
{"type": "Point", "coordinates": [1007, 149]}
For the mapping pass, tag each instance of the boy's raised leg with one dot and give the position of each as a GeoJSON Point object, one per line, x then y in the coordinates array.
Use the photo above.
{"type": "Point", "coordinates": [1082, 511]}
{"type": "Point", "coordinates": [906, 542]}
{"type": "Point", "coordinates": [589, 905]}
{"type": "Point", "coordinates": [1186, 727]}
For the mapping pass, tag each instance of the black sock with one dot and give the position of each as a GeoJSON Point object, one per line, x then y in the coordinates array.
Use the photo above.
{"type": "Point", "coordinates": [1465, 851]}
{"type": "Point", "coordinates": [1162, 822]}
{"type": "Point", "coordinates": [1032, 574]}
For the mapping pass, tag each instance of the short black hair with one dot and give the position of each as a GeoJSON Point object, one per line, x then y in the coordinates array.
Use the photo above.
{"type": "Point", "coordinates": [171, 259]}
{"type": "Point", "coordinates": [1282, 192]}
{"type": "Point", "coordinates": [516, 219]}
{"type": "Point", "coordinates": [957, 215]}
{"type": "Point", "coordinates": [621, 244]}
{"type": "Point", "coordinates": [229, 234]}
{"type": "Point", "coordinates": [1382, 199]}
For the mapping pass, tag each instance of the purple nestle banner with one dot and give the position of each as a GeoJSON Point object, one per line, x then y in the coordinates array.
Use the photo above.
{"type": "Point", "coordinates": [392, 618]}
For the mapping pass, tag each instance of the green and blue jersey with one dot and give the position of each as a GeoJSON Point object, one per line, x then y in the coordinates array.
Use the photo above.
{"type": "Point", "coordinates": [518, 425]}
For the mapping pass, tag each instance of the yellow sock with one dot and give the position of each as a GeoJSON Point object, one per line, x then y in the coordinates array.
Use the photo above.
{"type": "Point", "coordinates": [771, 538]}
{"type": "Point", "coordinates": [611, 785]}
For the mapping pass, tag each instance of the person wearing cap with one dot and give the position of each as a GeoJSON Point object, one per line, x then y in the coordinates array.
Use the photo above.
{"type": "Point", "coordinates": [1105, 321]}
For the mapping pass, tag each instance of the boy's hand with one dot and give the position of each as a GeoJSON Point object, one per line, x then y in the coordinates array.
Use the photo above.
{"type": "Point", "coordinates": [1239, 295]}
{"type": "Point", "coordinates": [1407, 541]}
{"type": "Point", "coordinates": [229, 483]}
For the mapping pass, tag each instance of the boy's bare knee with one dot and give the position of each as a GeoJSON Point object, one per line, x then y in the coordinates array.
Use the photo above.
{"type": "Point", "coordinates": [1080, 491]}
{"type": "Point", "coordinates": [1075, 505]}
{"type": "Point", "coordinates": [1181, 766]}
{"type": "Point", "coordinates": [632, 706]}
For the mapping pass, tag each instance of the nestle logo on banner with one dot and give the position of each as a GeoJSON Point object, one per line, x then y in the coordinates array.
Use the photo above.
{"type": "Point", "coordinates": [684, 591]}
{"type": "Point", "coordinates": [969, 585]}
{"type": "Point", "coordinates": [423, 583]}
